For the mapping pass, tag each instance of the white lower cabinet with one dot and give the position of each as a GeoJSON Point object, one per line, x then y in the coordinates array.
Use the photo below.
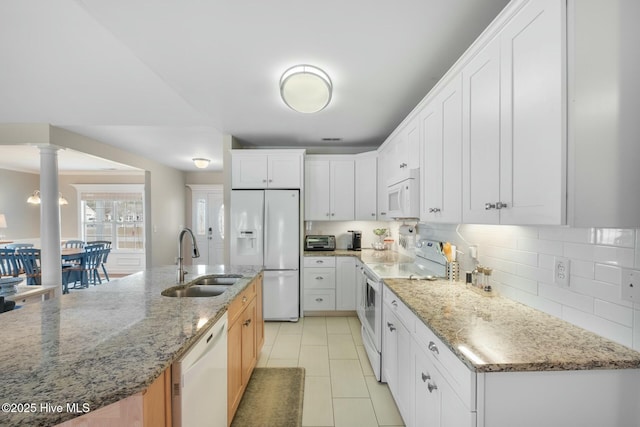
{"type": "Point", "coordinates": [329, 283]}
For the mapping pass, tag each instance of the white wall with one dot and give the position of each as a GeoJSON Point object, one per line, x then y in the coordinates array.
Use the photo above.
{"type": "Point", "coordinates": [522, 259]}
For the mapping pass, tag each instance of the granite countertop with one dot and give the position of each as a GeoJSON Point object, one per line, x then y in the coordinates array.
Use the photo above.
{"type": "Point", "coordinates": [102, 344]}
{"type": "Point", "coordinates": [368, 256]}
{"type": "Point", "coordinates": [506, 335]}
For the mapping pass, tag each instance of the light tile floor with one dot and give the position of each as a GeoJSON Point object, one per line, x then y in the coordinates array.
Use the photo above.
{"type": "Point", "coordinates": [340, 389]}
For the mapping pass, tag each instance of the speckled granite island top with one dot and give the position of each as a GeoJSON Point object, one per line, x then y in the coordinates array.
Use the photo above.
{"type": "Point", "coordinates": [101, 345]}
{"type": "Point", "coordinates": [504, 334]}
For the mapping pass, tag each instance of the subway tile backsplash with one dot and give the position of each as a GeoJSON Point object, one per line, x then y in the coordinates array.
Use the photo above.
{"type": "Point", "coordinates": [523, 258]}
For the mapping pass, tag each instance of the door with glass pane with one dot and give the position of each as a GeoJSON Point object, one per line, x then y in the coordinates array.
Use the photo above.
{"type": "Point", "coordinates": [208, 223]}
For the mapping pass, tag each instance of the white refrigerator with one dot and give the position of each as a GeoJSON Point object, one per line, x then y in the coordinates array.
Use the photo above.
{"type": "Point", "coordinates": [265, 231]}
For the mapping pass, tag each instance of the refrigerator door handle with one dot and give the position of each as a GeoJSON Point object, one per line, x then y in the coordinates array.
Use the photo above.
{"type": "Point", "coordinates": [265, 239]}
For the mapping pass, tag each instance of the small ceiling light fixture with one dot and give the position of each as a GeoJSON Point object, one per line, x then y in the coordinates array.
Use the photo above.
{"type": "Point", "coordinates": [34, 198]}
{"type": "Point", "coordinates": [200, 162]}
{"type": "Point", "coordinates": [305, 88]}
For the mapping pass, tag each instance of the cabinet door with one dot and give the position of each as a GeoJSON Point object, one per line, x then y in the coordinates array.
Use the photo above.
{"type": "Point", "coordinates": [366, 188]}
{"type": "Point", "coordinates": [533, 154]}
{"type": "Point", "coordinates": [404, 374]}
{"type": "Point", "coordinates": [248, 171]}
{"type": "Point", "coordinates": [481, 135]}
{"type": "Point", "coordinates": [345, 283]}
{"type": "Point", "coordinates": [342, 190]}
{"type": "Point", "coordinates": [259, 317]}
{"type": "Point", "coordinates": [249, 356]}
{"type": "Point", "coordinates": [384, 171]}
{"type": "Point", "coordinates": [284, 171]}
{"type": "Point", "coordinates": [412, 151]}
{"type": "Point", "coordinates": [390, 349]}
{"type": "Point", "coordinates": [317, 191]}
{"type": "Point", "coordinates": [442, 152]}
{"type": "Point", "coordinates": [427, 403]}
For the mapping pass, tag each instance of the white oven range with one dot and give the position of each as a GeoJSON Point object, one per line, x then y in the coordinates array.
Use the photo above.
{"type": "Point", "coordinates": [430, 262]}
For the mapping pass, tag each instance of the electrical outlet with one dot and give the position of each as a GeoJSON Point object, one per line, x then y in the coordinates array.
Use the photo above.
{"type": "Point", "coordinates": [630, 285]}
{"type": "Point", "coordinates": [473, 251]}
{"type": "Point", "coordinates": [561, 271]}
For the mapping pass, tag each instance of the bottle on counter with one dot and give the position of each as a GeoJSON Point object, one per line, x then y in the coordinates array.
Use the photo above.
{"type": "Point", "coordinates": [480, 276]}
{"type": "Point", "coordinates": [487, 279]}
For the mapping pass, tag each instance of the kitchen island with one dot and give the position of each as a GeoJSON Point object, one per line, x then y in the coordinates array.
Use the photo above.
{"type": "Point", "coordinates": [97, 346]}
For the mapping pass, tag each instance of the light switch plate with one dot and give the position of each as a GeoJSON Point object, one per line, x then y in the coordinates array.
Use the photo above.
{"type": "Point", "coordinates": [630, 285]}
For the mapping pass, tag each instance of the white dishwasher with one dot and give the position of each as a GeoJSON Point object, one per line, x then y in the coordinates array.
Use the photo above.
{"type": "Point", "coordinates": [199, 381]}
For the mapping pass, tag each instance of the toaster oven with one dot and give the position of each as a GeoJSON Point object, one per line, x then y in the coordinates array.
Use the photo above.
{"type": "Point", "coordinates": [319, 243]}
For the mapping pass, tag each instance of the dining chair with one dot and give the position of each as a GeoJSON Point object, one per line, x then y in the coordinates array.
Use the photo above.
{"type": "Point", "coordinates": [87, 268]}
{"type": "Point", "coordinates": [8, 264]}
{"type": "Point", "coordinates": [74, 244]}
{"type": "Point", "coordinates": [16, 246]}
{"type": "Point", "coordinates": [30, 263]}
{"type": "Point", "coordinates": [106, 250]}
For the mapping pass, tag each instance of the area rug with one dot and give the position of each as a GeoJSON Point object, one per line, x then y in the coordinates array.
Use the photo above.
{"type": "Point", "coordinates": [273, 399]}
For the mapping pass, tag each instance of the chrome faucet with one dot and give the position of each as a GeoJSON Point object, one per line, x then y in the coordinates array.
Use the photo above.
{"type": "Point", "coordinates": [196, 252]}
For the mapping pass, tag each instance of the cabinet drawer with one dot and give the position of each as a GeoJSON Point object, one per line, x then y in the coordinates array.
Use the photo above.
{"type": "Point", "coordinates": [241, 301]}
{"type": "Point", "coordinates": [402, 312]}
{"type": "Point", "coordinates": [319, 278]}
{"type": "Point", "coordinates": [319, 300]}
{"type": "Point", "coordinates": [320, 261]}
{"type": "Point", "coordinates": [457, 374]}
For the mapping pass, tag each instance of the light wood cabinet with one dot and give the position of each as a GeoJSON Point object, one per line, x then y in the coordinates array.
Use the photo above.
{"type": "Point", "coordinates": [514, 145]}
{"type": "Point", "coordinates": [243, 342]}
{"type": "Point", "coordinates": [266, 169]}
{"type": "Point", "coordinates": [441, 167]}
{"type": "Point", "coordinates": [329, 188]}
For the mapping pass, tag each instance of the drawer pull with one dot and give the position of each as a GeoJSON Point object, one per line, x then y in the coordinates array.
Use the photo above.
{"type": "Point", "coordinates": [319, 299]}
{"type": "Point", "coordinates": [431, 386]}
{"type": "Point", "coordinates": [319, 261]}
{"type": "Point", "coordinates": [244, 299]}
{"type": "Point", "coordinates": [394, 303]}
{"type": "Point", "coordinates": [425, 377]}
{"type": "Point", "coordinates": [391, 327]}
{"type": "Point", "coordinates": [433, 347]}
{"type": "Point", "coordinates": [247, 322]}
{"type": "Point", "coordinates": [319, 278]}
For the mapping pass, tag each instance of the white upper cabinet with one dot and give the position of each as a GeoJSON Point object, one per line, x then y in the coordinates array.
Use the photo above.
{"type": "Point", "coordinates": [266, 168]}
{"type": "Point", "coordinates": [329, 189]}
{"type": "Point", "coordinates": [385, 161]}
{"type": "Point", "coordinates": [403, 154]}
{"type": "Point", "coordinates": [514, 146]}
{"type": "Point", "coordinates": [441, 168]}
{"type": "Point", "coordinates": [366, 187]}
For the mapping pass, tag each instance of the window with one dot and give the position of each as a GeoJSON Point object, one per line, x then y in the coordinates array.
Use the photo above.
{"type": "Point", "coordinates": [114, 213]}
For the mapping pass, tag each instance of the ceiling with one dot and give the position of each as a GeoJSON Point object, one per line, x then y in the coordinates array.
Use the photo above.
{"type": "Point", "coordinates": [166, 79]}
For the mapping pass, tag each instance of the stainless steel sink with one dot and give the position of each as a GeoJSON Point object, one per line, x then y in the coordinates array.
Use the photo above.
{"type": "Point", "coordinates": [224, 280]}
{"type": "Point", "coordinates": [195, 291]}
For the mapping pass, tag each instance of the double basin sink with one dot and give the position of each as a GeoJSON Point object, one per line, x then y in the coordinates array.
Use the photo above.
{"type": "Point", "coordinates": [207, 286]}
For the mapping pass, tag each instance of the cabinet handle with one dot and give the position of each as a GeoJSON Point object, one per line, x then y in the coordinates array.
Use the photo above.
{"type": "Point", "coordinates": [264, 180]}
{"type": "Point", "coordinates": [433, 347]}
{"type": "Point", "coordinates": [319, 261]}
{"type": "Point", "coordinates": [383, 213]}
{"type": "Point", "coordinates": [319, 278]}
{"type": "Point", "coordinates": [270, 180]}
{"type": "Point", "coordinates": [373, 214]}
{"type": "Point", "coordinates": [394, 303]}
{"type": "Point", "coordinates": [403, 165]}
{"type": "Point", "coordinates": [333, 214]}
{"type": "Point", "coordinates": [247, 322]}
{"type": "Point", "coordinates": [425, 377]}
{"type": "Point", "coordinates": [431, 386]}
{"type": "Point", "coordinates": [434, 210]}
{"type": "Point", "coordinates": [489, 206]}
{"type": "Point", "coordinates": [500, 205]}
{"type": "Point", "coordinates": [328, 214]}
{"type": "Point", "coordinates": [391, 327]}
{"type": "Point", "coordinates": [319, 300]}
{"type": "Point", "coordinates": [244, 299]}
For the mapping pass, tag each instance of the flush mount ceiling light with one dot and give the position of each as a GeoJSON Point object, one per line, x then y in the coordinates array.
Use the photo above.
{"type": "Point", "coordinates": [200, 162]}
{"type": "Point", "coordinates": [305, 88]}
{"type": "Point", "coordinates": [34, 198]}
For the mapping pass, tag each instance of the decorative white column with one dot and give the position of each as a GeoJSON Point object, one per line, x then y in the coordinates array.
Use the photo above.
{"type": "Point", "coordinates": [50, 218]}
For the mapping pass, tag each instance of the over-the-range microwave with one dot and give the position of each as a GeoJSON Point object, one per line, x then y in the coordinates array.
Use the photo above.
{"type": "Point", "coordinates": [403, 197]}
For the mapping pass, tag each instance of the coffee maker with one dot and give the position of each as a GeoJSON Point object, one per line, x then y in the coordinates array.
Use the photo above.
{"type": "Point", "coordinates": [356, 240]}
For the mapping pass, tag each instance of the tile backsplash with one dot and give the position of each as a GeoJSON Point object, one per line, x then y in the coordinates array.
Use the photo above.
{"type": "Point", "coordinates": [523, 258]}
